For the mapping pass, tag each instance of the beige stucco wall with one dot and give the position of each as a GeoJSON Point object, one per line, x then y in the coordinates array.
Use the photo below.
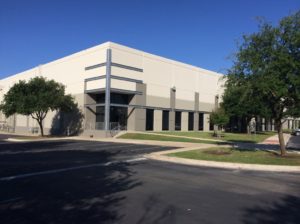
{"type": "Point", "coordinates": [69, 70]}
{"type": "Point", "coordinates": [95, 84]}
{"type": "Point", "coordinates": [161, 74]}
{"type": "Point", "coordinates": [121, 84]}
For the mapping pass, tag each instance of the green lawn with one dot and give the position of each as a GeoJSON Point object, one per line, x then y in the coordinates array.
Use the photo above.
{"type": "Point", "coordinates": [140, 136]}
{"type": "Point", "coordinates": [233, 137]}
{"type": "Point", "coordinates": [240, 156]}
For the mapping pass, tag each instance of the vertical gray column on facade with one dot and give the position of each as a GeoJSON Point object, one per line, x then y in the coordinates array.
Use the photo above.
{"type": "Point", "coordinates": [136, 119]}
{"type": "Point", "coordinates": [215, 109]}
{"type": "Point", "coordinates": [85, 108]}
{"type": "Point", "coordinates": [216, 102]}
{"type": "Point", "coordinates": [269, 124]}
{"type": "Point", "coordinates": [196, 113]}
{"type": "Point", "coordinates": [172, 111]}
{"type": "Point", "coordinates": [107, 90]}
{"type": "Point", "coordinates": [263, 124]}
{"type": "Point", "coordinates": [293, 124]}
{"type": "Point", "coordinates": [258, 123]}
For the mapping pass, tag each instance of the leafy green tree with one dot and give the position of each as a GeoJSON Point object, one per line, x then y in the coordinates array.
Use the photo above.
{"type": "Point", "coordinates": [219, 118]}
{"type": "Point", "coordinates": [36, 98]}
{"type": "Point", "coordinates": [265, 78]}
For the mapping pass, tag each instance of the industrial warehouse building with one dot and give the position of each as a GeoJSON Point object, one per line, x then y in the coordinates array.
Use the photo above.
{"type": "Point", "coordinates": [120, 88]}
{"type": "Point", "coordinates": [117, 87]}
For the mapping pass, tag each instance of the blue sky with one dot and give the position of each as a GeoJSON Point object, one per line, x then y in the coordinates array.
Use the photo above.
{"type": "Point", "coordinates": [201, 33]}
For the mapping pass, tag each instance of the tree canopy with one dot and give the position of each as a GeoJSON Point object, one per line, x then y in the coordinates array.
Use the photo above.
{"type": "Point", "coordinates": [36, 98]}
{"type": "Point", "coordinates": [219, 117]}
{"type": "Point", "coordinates": [265, 77]}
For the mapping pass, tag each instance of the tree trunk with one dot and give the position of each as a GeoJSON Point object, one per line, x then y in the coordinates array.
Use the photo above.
{"type": "Point", "coordinates": [41, 127]}
{"type": "Point", "coordinates": [281, 139]}
{"type": "Point", "coordinates": [215, 130]}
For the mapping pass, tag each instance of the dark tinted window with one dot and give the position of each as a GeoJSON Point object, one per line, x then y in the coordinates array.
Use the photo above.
{"type": "Point", "coordinates": [191, 121]}
{"type": "Point", "coordinates": [201, 116]}
{"type": "Point", "coordinates": [149, 119]}
{"type": "Point", "coordinates": [177, 120]}
{"type": "Point", "coordinates": [165, 120]}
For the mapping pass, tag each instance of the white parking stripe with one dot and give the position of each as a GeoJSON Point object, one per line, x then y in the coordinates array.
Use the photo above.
{"type": "Point", "coordinates": [10, 200]}
{"type": "Point", "coordinates": [135, 160]}
{"type": "Point", "coordinates": [69, 169]}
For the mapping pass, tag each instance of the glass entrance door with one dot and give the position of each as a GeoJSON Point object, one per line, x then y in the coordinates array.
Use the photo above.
{"type": "Point", "coordinates": [118, 118]}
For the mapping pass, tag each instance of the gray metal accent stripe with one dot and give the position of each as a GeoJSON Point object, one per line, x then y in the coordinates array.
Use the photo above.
{"type": "Point", "coordinates": [149, 107]}
{"type": "Point", "coordinates": [126, 105]}
{"type": "Point", "coordinates": [95, 78]}
{"type": "Point", "coordinates": [113, 77]}
{"type": "Point", "coordinates": [125, 91]}
{"type": "Point", "coordinates": [127, 67]}
{"type": "Point", "coordinates": [95, 90]}
{"type": "Point", "coordinates": [94, 104]}
{"type": "Point", "coordinates": [95, 66]}
{"type": "Point", "coordinates": [126, 79]}
{"type": "Point", "coordinates": [183, 110]}
{"type": "Point", "coordinates": [113, 90]}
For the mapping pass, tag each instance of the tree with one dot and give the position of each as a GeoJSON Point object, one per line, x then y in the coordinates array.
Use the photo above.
{"type": "Point", "coordinates": [36, 98]}
{"type": "Point", "coordinates": [265, 77]}
{"type": "Point", "coordinates": [219, 118]}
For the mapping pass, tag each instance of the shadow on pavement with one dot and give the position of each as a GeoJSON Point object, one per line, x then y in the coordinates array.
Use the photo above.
{"type": "Point", "coordinates": [89, 195]}
{"type": "Point", "coordinates": [285, 211]}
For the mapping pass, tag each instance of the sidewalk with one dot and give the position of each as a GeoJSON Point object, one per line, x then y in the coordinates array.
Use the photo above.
{"type": "Point", "coordinates": [273, 140]}
{"type": "Point", "coordinates": [145, 142]}
{"type": "Point", "coordinates": [271, 143]}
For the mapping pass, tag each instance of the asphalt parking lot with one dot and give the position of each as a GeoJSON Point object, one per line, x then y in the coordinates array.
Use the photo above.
{"type": "Point", "coordinates": [101, 182]}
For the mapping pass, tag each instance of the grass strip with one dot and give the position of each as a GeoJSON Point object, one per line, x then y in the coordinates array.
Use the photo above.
{"type": "Point", "coordinates": [234, 155]}
{"type": "Point", "coordinates": [139, 136]}
{"type": "Point", "coordinates": [232, 137]}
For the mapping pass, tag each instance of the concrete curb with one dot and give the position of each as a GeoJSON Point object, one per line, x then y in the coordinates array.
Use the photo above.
{"type": "Point", "coordinates": [17, 140]}
{"type": "Point", "coordinates": [147, 142]}
{"type": "Point", "coordinates": [161, 156]}
{"type": "Point", "coordinates": [36, 140]}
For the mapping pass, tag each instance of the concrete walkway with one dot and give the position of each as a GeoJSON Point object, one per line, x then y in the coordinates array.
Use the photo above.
{"type": "Point", "coordinates": [271, 143]}
{"type": "Point", "coordinates": [273, 140]}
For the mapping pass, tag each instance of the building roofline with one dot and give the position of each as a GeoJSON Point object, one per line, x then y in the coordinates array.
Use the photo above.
{"type": "Point", "coordinates": [161, 58]}
{"type": "Point", "coordinates": [110, 44]}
